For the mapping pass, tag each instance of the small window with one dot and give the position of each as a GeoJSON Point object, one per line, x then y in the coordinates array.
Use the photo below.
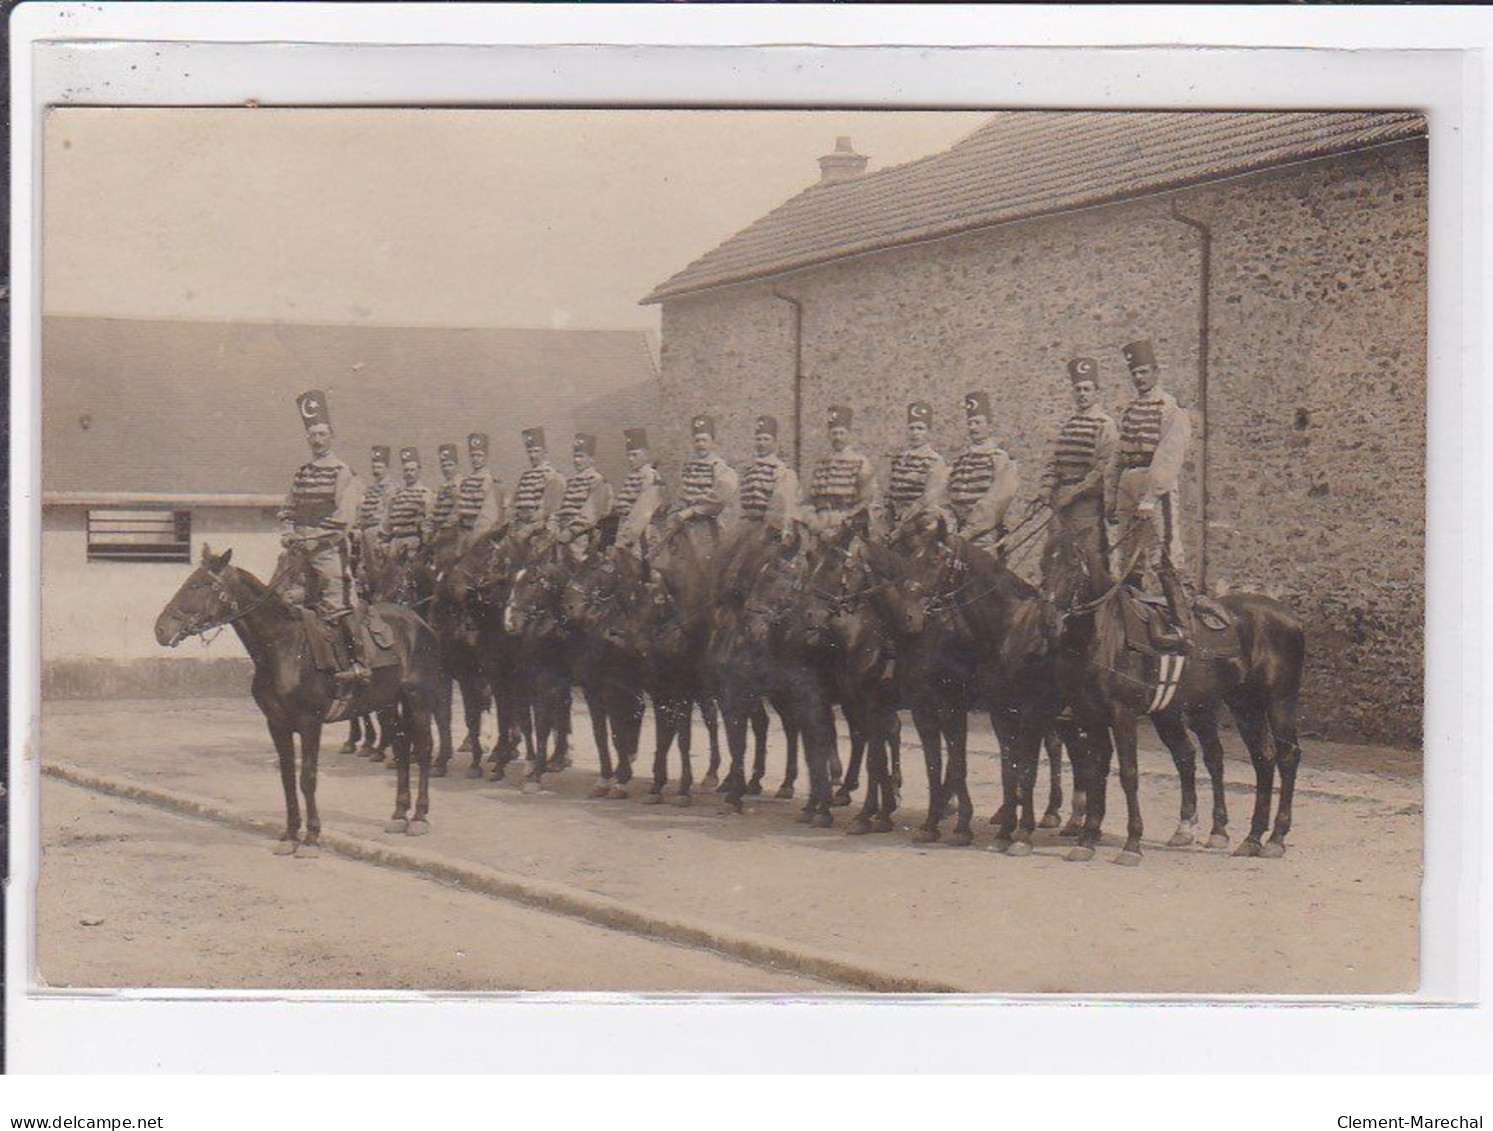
{"type": "Point", "coordinates": [116, 534]}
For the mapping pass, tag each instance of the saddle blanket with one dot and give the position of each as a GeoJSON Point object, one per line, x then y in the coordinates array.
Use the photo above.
{"type": "Point", "coordinates": [329, 650]}
{"type": "Point", "coordinates": [1145, 616]}
{"type": "Point", "coordinates": [1168, 679]}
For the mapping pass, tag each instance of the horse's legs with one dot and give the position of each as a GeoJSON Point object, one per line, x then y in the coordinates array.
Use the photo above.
{"type": "Point", "coordinates": [442, 710]}
{"type": "Point", "coordinates": [930, 734]}
{"type": "Point", "coordinates": [368, 742]}
{"type": "Point", "coordinates": [710, 713]}
{"type": "Point", "coordinates": [819, 741]}
{"type": "Point", "coordinates": [759, 722]}
{"type": "Point", "coordinates": [1282, 716]}
{"type": "Point", "coordinates": [1053, 745]}
{"type": "Point", "coordinates": [1123, 723]}
{"type": "Point", "coordinates": [684, 708]}
{"type": "Point", "coordinates": [416, 739]}
{"type": "Point", "coordinates": [596, 707]}
{"type": "Point", "coordinates": [1203, 720]}
{"type": "Point", "coordinates": [664, 726]}
{"type": "Point", "coordinates": [310, 748]}
{"type": "Point", "coordinates": [1171, 731]}
{"type": "Point", "coordinates": [735, 713]}
{"type": "Point", "coordinates": [894, 746]}
{"type": "Point", "coordinates": [284, 740]}
{"type": "Point", "coordinates": [1249, 714]}
{"type": "Point", "coordinates": [855, 722]}
{"type": "Point", "coordinates": [1076, 743]}
{"type": "Point", "coordinates": [1098, 746]}
{"type": "Point", "coordinates": [886, 725]}
{"type": "Point", "coordinates": [626, 713]}
{"type": "Point", "coordinates": [354, 733]}
{"type": "Point", "coordinates": [791, 734]}
{"type": "Point", "coordinates": [473, 699]}
{"type": "Point", "coordinates": [394, 725]}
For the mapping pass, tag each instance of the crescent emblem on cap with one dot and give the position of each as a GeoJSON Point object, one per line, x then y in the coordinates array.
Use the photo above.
{"type": "Point", "coordinates": [309, 407]}
{"type": "Point", "coordinates": [970, 404]}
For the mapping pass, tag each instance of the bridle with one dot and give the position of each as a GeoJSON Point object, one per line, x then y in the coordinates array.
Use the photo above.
{"type": "Point", "coordinates": [237, 611]}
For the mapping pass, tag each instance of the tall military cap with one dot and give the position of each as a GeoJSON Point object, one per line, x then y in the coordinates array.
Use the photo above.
{"type": "Point", "coordinates": [702, 422]}
{"type": "Point", "coordinates": [840, 416]}
{"type": "Point", "coordinates": [1139, 353]}
{"type": "Point", "coordinates": [533, 437]}
{"type": "Point", "coordinates": [409, 455]}
{"type": "Point", "coordinates": [920, 412]}
{"type": "Point", "coordinates": [313, 408]}
{"type": "Point", "coordinates": [977, 404]}
{"type": "Point", "coordinates": [1083, 369]}
{"type": "Point", "coordinates": [477, 442]}
{"type": "Point", "coordinates": [585, 442]}
{"type": "Point", "coordinates": [446, 451]}
{"type": "Point", "coordinates": [379, 453]}
{"type": "Point", "coordinates": [768, 424]}
{"type": "Point", "coordinates": [635, 439]}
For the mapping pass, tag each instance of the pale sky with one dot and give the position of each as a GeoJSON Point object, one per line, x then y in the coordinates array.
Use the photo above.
{"type": "Point", "coordinates": [418, 217]}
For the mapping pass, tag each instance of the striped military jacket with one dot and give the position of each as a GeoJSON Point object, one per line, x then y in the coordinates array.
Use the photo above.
{"type": "Point", "coordinates": [839, 481]}
{"type": "Point", "coordinates": [633, 486]}
{"type": "Point", "coordinates": [1077, 449]}
{"type": "Point", "coordinates": [316, 495]}
{"type": "Point", "coordinates": [1140, 429]}
{"type": "Point", "coordinates": [910, 473]}
{"type": "Point", "coordinates": [528, 492]}
{"type": "Point", "coordinates": [579, 489]}
{"type": "Point", "coordinates": [408, 510]}
{"type": "Point", "coordinates": [371, 509]}
{"type": "Point", "coordinates": [445, 503]}
{"type": "Point", "coordinates": [973, 473]}
{"type": "Point", "coordinates": [758, 483]}
{"type": "Point", "coordinates": [698, 479]}
{"type": "Point", "coordinates": [471, 494]}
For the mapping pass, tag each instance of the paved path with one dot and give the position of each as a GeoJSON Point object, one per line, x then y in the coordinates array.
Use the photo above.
{"type": "Point", "coordinates": [1337, 915]}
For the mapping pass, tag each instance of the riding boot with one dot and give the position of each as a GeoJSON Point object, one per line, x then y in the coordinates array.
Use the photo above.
{"type": "Point", "coordinates": [1179, 608]}
{"type": "Point", "coordinates": [358, 671]}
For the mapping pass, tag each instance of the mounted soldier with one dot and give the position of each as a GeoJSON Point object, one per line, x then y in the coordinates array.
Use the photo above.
{"type": "Point", "coordinates": [708, 489]}
{"type": "Point", "coordinates": [440, 530]}
{"type": "Point", "coordinates": [1073, 482]}
{"type": "Point", "coordinates": [982, 481]}
{"type": "Point", "coordinates": [480, 498]}
{"type": "Point", "coordinates": [642, 494]}
{"type": "Point", "coordinates": [409, 509]}
{"type": "Point", "coordinates": [314, 525]}
{"type": "Point", "coordinates": [844, 482]}
{"type": "Point", "coordinates": [372, 508]}
{"type": "Point", "coordinates": [586, 501]}
{"type": "Point", "coordinates": [1142, 488]}
{"type": "Point", "coordinates": [920, 476]}
{"type": "Point", "coordinates": [539, 490]}
{"type": "Point", "coordinates": [769, 487]}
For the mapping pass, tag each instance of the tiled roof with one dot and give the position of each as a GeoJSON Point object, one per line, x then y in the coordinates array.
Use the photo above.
{"type": "Point", "coordinates": [207, 408]}
{"type": "Point", "coordinates": [1025, 163]}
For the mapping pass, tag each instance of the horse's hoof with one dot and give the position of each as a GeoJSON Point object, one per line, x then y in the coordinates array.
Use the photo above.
{"type": "Point", "coordinates": [1050, 821]}
{"type": "Point", "coordinates": [754, 788]}
{"type": "Point", "coordinates": [617, 793]}
{"type": "Point", "coordinates": [417, 827]}
{"type": "Point", "coordinates": [532, 787]}
{"type": "Point", "coordinates": [1248, 848]}
{"type": "Point", "coordinates": [378, 756]}
{"type": "Point", "coordinates": [285, 847]}
{"type": "Point", "coordinates": [1185, 835]}
{"type": "Point", "coordinates": [307, 852]}
{"type": "Point", "coordinates": [348, 748]}
{"type": "Point", "coordinates": [882, 824]}
{"type": "Point", "coordinates": [601, 789]}
{"type": "Point", "coordinates": [730, 808]}
{"type": "Point", "coordinates": [477, 771]}
{"type": "Point", "coordinates": [710, 781]}
{"type": "Point", "coordinates": [841, 798]}
{"type": "Point", "coordinates": [683, 800]}
{"type": "Point", "coordinates": [1127, 859]}
{"type": "Point", "coordinates": [1079, 854]}
{"type": "Point", "coordinates": [1218, 840]}
{"type": "Point", "coordinates": [924, 836]}
{"type": "Point", "coordinates": [397, 825]}
{"type": "Point", "coordinates": [439, 770]}
{"type": "Point", "coordinates": [960, 838]}
{"type": "Point", "coordinates": [1272, 850]}
{"type": "Point", "coordinates": [1070, 829]}
{"type": "Point", "coordinates": [653, 799]}
{"type": "Point", "coordinates": [364, 751]}
{"type": "Point", "coordinates": [784, 793]}
{"type": "Point", "coordinates": [822, 820]}
{"type": "Point", "coordinates": [804, 817]}
{"type": "Point", "coordinates": [1019, 848]}
{"type": "Point", "coordinates": [859, 826]}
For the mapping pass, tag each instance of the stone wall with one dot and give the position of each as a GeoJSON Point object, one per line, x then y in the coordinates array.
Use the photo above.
{"type": "Point", "coordinates": [1315, 402]}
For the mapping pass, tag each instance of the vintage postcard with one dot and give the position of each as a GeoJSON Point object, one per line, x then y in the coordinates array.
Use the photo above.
{"type": "Point", "coordinates": [733, 551]}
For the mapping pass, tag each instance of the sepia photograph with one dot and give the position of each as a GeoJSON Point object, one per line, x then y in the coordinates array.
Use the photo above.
{"type": "Point", "coordinates": [733, 551]}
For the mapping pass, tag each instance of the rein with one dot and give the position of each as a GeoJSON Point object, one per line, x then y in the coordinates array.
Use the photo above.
{"type": "Point", "coordinates": [237, 613]}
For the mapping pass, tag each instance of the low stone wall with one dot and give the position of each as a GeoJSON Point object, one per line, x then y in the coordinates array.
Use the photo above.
{"type": "Point", "coordinates": [146, 679]}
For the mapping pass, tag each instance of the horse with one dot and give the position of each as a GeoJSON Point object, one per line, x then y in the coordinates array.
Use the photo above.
{"type": "Point", "coordinates": [294, 695]}
{"type": "Point", "coordinates": [1253, 666]}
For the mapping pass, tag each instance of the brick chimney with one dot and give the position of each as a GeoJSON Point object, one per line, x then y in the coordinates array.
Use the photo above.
{"type": "Point", "coordinates": [844, 164]}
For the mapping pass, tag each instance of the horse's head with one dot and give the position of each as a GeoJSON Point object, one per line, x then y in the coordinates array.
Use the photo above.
{"type": "Point", "coordinates": [901, 587]}
{"type": "Point", "coordinates": [532, 603]}
{"type": "Point", "coordinates": [590, 592]}
{"type": "Point", "coordinates": [203, 601]}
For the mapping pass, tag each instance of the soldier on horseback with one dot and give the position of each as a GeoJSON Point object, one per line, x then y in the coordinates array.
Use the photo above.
{"type": "Point", "coordinates": [372, 508]}
{"type": "Point", "coordinates": [920, 476]}
{"type": "Point", "coordinates": [1073, 481]}
{"type": "Point", "coordinates": [1142, 488]}
{"type": "Point", "coordinates": [983, 480]}
{"type": "Point", "coordinates": [440, 530]}
{"type": "Point", "coordinates": [642, 494]}
{"type": "Point", "coordinates": [708, 489]}
{"type": "Point", "coordinates": [844, 481]}
{"type": "Point", "coordinates": [409, 509]}
{"type": "Point", "coordinates": [480, 498]}
{"type": "Point", "coordinates": [314, 525]}
{"type": "Point", "coordinates": [586, 501]}
{"type": "Point", "coordinates": [769, 487]}
{"type": "Point", "coordinates": [539, 490]}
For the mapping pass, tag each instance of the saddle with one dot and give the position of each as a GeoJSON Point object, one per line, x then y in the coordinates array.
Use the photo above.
{"type": "Point", "coordinates": [1147, 618]}
{"type": "Point", "coordinates": [329, 652]}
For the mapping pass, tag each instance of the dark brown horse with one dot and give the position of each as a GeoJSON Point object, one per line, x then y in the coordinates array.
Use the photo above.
{"type": "Point", "coordinates": [294, 695]}
{"type": "Point", "coordinates": [1253, 666]}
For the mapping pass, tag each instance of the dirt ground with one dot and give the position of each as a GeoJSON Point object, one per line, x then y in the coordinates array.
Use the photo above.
{"type": "Point", "coordinates": [1339, 914]}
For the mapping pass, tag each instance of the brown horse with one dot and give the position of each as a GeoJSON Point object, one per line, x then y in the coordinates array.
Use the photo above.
{"type": "Point", "coordinates": [1253, 666]}
{"type": "Point", "coordinates": [294, 695]}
